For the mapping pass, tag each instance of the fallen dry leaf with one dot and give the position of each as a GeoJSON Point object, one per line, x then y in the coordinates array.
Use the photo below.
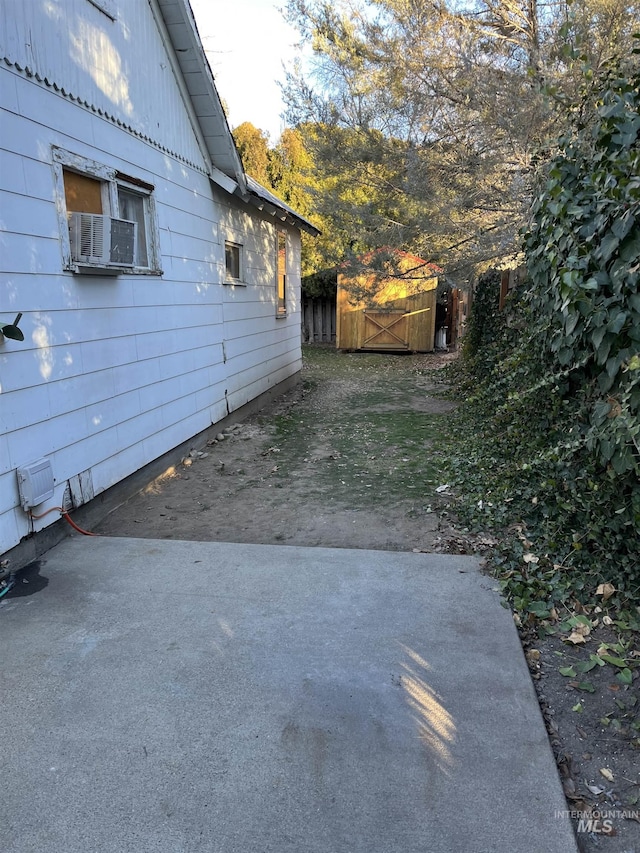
{"type": "Point", "coordinates": [579, 634]}
{"type": "Point", "coordinates": [576, 638]}
{"type": "Point", "coordinates": [606, 590]}
{"type": "Point", "coordinates": [530, 558]}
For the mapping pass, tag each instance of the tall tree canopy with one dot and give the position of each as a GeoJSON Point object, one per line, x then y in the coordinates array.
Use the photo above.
{"type": "Point", "coordinates": [424, 117]}
{"type": "Point", "coordinates": [286, 169]}
{"type": "Point", "coordinates": [253, 147]}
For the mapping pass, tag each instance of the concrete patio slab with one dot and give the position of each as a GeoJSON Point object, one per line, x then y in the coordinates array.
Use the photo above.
{"type": "Point", "coordinates": [184, 696]}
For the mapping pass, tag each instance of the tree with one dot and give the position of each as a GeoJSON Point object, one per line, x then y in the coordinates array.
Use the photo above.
{"type": "Point", "coordinates": [253, 147]}
{"type": "Point", "coordinates": [427, 116]}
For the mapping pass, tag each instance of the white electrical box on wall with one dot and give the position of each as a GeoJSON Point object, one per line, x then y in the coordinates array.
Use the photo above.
{"type": "Point", "coordinates": [35, 483]}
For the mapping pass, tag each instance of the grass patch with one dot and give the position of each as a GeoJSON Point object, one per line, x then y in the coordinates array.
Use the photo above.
{"type": "Point", "coordinates": [358, 435]}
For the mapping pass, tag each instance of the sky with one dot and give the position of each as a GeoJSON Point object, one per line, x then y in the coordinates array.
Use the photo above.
{"type": "Point", "coordinates": [246, 42]}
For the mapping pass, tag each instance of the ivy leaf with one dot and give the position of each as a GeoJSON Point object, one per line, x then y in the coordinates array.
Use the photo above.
{"type": "Point", "coordinates": [623, 224]}
{"type": "Point", "coordinates": [614, 661]}
{"type": "Point", "coordinates": [585, 666]}
{"type": "Point", "coordinates": [607, 247]}
{"type": "Point", "coordinates": [539, 609]}
{"type": "Point", "coordinates": [618, 321]}
{"type": "Point", "coordinates": [625, 676]}
{"type": "Point", "coordinates": [630, 249]}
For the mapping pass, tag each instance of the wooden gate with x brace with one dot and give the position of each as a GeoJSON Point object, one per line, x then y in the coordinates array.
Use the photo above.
{"type": "Point", "coordinates": [388, 330]}
{"type": "Point", "coordinates": [385, 330]}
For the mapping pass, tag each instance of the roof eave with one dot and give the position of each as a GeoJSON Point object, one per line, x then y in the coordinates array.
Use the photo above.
{"type": "Point", "coordinates": [204, 102]}
{"type": "Point", "coordinates": [193, 73]}
{"type": "Point", "coordinates": [266, 201]}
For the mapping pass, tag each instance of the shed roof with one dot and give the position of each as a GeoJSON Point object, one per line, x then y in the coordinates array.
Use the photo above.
{"type": "Point", "coordinates": [420, 263]}
{"type": "Point", "coordinates": [225, 164]}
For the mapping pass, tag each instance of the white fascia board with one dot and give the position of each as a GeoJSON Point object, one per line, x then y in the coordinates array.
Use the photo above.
{"type": "Point", "coordinates": [189, 30]}
{"type": "Point", "coordinates": [223, 180]}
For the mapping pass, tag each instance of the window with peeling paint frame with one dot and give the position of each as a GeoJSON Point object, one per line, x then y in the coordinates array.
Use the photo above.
{"type": "Point", "coordinates": [109, 217]}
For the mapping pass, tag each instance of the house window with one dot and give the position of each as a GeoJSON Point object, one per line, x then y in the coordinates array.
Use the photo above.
{"type": "Point", "coordinates": [281, 274]}
{"type": "Point", "coordinates": [107, 218]}
{"type": "Point", "coordinates": [232, 255]}
{"type": "Point", "coordinates": [133, 207]}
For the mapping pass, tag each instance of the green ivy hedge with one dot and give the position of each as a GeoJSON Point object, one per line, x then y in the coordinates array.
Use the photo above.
{"type": "Point", "coordinates": [551, 428]}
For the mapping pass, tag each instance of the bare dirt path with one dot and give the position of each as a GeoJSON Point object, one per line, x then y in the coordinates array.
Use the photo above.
{"type": "Point", "coordinates": [345, 460]}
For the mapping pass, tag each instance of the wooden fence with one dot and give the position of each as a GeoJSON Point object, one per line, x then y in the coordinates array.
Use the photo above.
{"type": "Point", "coordinates": [318, 320]}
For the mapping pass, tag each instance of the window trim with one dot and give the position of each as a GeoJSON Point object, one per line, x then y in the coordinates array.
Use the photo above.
{"type": "Point", "coordinates": [112, 180]}
{"type": "Point", "coordinates": [228, 278]}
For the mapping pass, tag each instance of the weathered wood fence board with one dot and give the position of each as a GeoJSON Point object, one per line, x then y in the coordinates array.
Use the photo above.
{"type": "Point", "coordinates": [318, 320]}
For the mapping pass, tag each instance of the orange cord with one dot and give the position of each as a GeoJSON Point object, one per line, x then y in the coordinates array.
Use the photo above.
{"type": "Point", "coordinates": [66, 517]}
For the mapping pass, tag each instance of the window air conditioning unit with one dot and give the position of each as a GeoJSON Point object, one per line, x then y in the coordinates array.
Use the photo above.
{"type": "Point", "coordinates": [98, 239]}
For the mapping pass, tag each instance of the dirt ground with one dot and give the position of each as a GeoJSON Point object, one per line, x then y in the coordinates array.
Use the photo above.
{"type": "Point", "coordinates": [349, 459]}
{"type": "Point", "coordinates": [341, 461]}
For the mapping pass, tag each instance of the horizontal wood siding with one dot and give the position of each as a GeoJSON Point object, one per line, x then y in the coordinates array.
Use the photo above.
{"type": "Point", "coordinates": [115, 371]}
{"type": "Point", "coordinates": [118, 67]}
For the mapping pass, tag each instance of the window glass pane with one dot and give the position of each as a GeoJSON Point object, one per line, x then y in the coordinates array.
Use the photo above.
{"type": "Point", "coordinates": [133, 207]}
{"type": "Point", "coordinates": [82, 194]}
{"type": "Point", "coordinates": [232, 260]}
{"type": "Point", "coordinates": [282, 273]}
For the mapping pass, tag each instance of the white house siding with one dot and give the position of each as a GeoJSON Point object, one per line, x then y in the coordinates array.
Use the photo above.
{"type": "Point", "coordinates": [254, 340]}
{"type": "Point", "coordinates": [117, 67]}
{"type": "Point", "coordinates": [114, 372]}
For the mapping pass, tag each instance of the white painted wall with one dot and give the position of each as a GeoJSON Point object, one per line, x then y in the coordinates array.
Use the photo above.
{"type": "Point", "coordinates": [114, 372]}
